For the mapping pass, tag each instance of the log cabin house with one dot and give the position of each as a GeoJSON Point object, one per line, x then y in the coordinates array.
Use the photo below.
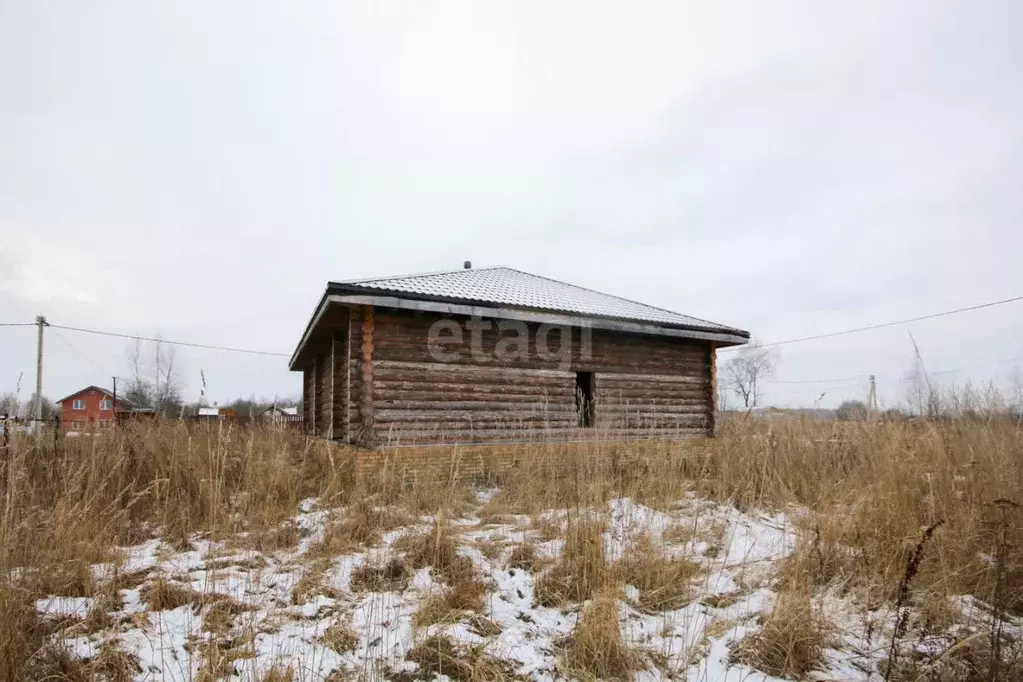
{"type": "Point", "coordinates": [494, 355]}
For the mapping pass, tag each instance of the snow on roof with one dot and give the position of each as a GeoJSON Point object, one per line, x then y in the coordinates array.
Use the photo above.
{"type": "Point", "coordinates": [291, 411]}
{"type": "Point", "coordinates": [517, 289]}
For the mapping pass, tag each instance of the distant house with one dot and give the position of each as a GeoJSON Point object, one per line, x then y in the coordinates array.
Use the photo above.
{"type": "Point", "coordinates": [209, 414]}
{"type": "Point", "coordinates": [91, 408]}
{"type": "Point", "coordinates": [279, 415]}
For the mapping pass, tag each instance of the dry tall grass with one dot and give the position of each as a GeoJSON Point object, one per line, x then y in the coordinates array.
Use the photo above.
{"type": "Point", "coordinates": [596, 647]}
{"type": "Point", "coordinates": [867, 491]}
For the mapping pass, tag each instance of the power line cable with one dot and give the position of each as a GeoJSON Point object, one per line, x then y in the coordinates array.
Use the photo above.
{"type": "Point", "coordinates": [17, 324]}
{"type": "Point", "coordinates": [84, 356]}
{"type": "Point", "coordinates": [762, 345]}
{"type": "Point", "coordinates": [167, 341]}
{"type": "Point", "coordinates": [885, 324]}
{"type": "Point", "coordinates": [816, 381]}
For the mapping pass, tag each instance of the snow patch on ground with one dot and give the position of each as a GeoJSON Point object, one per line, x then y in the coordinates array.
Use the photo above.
{"type": "Point", "coordinates": [272, 624]}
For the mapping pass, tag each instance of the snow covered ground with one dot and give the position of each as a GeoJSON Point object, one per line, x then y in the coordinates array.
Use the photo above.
{"type": "Point", "coordinates": [272, 626]}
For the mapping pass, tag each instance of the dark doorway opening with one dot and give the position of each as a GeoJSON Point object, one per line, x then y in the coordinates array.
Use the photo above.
{"type": "Point", "coordinates": [585, 401]}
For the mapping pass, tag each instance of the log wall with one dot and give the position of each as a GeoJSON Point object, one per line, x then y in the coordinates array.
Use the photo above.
{"type": "Point", "coordinates": [308, 401]}
{"type": "Point", "coordinates": [339, 408]}
{"type": "Point", "coordinates": [399, 393]}
{"type": "Point", "coordinates": [324, 396]}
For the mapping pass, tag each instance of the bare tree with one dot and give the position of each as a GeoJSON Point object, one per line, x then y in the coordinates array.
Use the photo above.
{"type": "Point", "coordinates": [923, 396]}
{"type": "Point", "coordinates": [10, 404]}
{"type": "Point", "coordinates": [1016, 399]}
{"type": "Point", "coordinates": [722, 396]}
{"type": "Point", "coordinates": [139, 389]}
{"type": "Point", "coordinates": [852, 411]}
{"type": "Point", "coordinates": [745, 371]}
{"type": "Point", "coordinates": [155, 379]}
{"type": "Point", "coordinates": [49, 408]}
{"type": "Point", "coordinates": [167, 382]}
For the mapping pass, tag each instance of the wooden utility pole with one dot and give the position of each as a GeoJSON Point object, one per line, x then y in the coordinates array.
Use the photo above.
{"type": "Point", "coordinates": [40, 323]}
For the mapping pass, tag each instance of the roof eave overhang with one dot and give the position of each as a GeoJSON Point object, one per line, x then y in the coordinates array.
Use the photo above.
{"type": "Point", "coordinates": [321, 308]}
{"type": "Point", "coordinates": [99, 389]}
{"type": "Point", "coordinates": [721, 338]}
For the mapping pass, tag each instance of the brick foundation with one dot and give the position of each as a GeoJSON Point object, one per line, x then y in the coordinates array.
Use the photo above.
{"type": "Point", "coordinates": [460, 463]}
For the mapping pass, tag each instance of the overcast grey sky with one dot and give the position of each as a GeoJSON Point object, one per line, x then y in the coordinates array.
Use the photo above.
{"type": "Point", "coordinates": [201, 169]}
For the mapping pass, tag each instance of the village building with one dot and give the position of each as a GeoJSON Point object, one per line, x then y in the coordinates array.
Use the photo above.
{"type": "Point", "coordinates": [276, 414]}
{"type": "Point", "coordinates": [214, 414]}
{"type": "Point", "coordinates": [494, 355]}
{"type": "Point", "coordinates": [91, 408]}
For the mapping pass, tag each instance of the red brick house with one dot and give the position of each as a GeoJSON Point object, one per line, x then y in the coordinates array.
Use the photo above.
{"type": "Point", "coordinates": [90, 408]}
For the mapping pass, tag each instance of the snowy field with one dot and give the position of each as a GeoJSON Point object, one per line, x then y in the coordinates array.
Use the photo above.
{"type": "Point", "coordinates": [218, 610]}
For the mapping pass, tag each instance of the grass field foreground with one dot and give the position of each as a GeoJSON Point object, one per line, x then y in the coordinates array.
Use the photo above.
{"type": "Point", "coordinates": [786, 549]}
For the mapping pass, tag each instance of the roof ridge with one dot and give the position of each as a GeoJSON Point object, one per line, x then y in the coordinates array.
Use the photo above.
{"type": "Point", "coordinates": [90, 387]}
{"type": "Point", "coordinates": [620, 298]}
{"type": "Point", "coordinates": [416, 275]}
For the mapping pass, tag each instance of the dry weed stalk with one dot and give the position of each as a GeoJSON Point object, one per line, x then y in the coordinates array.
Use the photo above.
{"type": "Point", "coordinates": [596, 647]}
{"type": "Point", "coordinates": [901, 609]}
{"type": "Point", "coordinates": [581, 570]}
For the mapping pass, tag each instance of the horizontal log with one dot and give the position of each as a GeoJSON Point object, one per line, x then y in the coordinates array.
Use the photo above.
{"type": "Point", "coordinates": [467, 416]}
{"type": "Point", "coordinates": [611, 417]}
{"type": "Point", "coordinates": [604, 429]}
{"type": "Point", "coordinates": [639, 380]}
{"type": "Point", "coordinates": [660, 392]}
{"type": "Point", "coordinates": [418, 337]}
{"type": "Point", "coordinates": [481, 374]}
{"type": "Point", "coordinates": [403, 397]}
{"type": "Point", "coordinates": [421, 348]}
{"type": "Point", "coordinates": [402, 427]}
{"type": "Point", "coordinates": [534, 406]}
{"type": "Point", "coordinates": [420, 398]}
{"type": "Point", "coordinates": [637, 365]}
{"type": "Point", "coordinates": [689, 422]}
{"type": "Point", "coordinates": [455, 373]}
{"type": "Point", "coordinates": [550, 435]}
{"type": "Point", "coordinates": [460, 383]}
{"type": "Point", "coordinates": [678, 408]}
{"type": "Point", "coordinates": [454, 368]}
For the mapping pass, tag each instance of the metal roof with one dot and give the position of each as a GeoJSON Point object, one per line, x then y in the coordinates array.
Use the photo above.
{"type": "Point", "coordinates": [516, 289]}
